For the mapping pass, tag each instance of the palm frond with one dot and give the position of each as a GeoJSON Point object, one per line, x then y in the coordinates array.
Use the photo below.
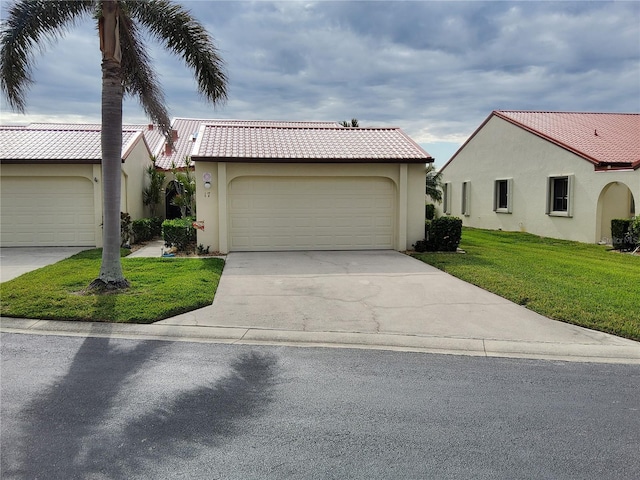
{"type": "Point", "coordinates": [29, 25]}
{"type": "Point", "coordinates": [139, 78]}
{"type": "Point", "coordinates": [179, 32]}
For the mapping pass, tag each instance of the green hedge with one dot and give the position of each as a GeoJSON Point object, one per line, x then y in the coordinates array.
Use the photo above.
{"type": "Point", "coordinates": [441, 235]}
{"type": "Point", "coordinates": [156, 226]}
{"type": "Point", "coordinates": [620, 234]}
{"type": "Point", "coordinates": [142, 230]}
{"type": "Point", "coordinates": [178, 232]}
{"type": "Point", "coordinates": [146, 229]}
{"type": "Point", "coordinates": [634, 230]}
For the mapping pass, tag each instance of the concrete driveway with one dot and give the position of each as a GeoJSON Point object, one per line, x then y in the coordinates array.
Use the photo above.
{"type": "Point", "coordinates": [14, 261]}
{"type": "Point", "coordinates": [373, 292]}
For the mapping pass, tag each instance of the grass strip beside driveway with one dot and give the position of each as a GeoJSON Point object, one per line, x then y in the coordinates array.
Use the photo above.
{"type": "Point", "coordinates": [160, 288]}
{"type": "Point", "coordinates": [583, 284]}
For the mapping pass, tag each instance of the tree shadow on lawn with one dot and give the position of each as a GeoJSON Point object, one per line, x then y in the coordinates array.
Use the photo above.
{"type": "Point", "coordinates": [75, 428]}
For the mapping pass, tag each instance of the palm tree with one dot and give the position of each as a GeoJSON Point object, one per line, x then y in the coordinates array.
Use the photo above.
{"type": "Point", "coordinates": [353, 123]}
{"type": "Point", "coordinates": [126, 69]}
{"type": "Point", "coordinates": [434, 184]}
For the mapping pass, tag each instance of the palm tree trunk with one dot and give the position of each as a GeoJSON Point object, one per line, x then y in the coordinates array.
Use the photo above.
{"type": "Point", "coordinates": [111, 275]}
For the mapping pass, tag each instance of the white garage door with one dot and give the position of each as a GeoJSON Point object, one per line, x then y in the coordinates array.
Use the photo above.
{"type": "Point", "coordinates": [311, 213]}
{"type": "Point", "coordinates": [47, 211]}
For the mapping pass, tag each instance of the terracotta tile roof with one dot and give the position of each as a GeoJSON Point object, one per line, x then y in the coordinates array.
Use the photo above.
{"type": "Point", "coordinates": [608, 140]}
{"type": "Point", "coordinates": [187, 130]}
{"type": "Point", "coordinates": [241, 140]}
{"type": "Point", "coordinates": [152, 133]}
{"type": "Point", "coordinates": [56, 145]}
{"type": "Point", "coordinates": [306, 144]}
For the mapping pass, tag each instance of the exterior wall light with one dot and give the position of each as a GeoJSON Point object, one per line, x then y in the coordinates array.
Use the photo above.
{"type": "Point", "coordinates": [206, 178]}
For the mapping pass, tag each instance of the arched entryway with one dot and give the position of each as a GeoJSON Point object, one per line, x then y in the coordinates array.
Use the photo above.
{"type": "Point", "coordinates": [615, 201]}
{"type": "Point", "coordinates": [171, 211]}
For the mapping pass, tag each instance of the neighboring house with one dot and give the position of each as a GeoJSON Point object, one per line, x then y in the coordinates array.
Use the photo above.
{"type": "Point", "coordinates": [51, 183]}
{"type": "Point", "coordinates": [554, 174]}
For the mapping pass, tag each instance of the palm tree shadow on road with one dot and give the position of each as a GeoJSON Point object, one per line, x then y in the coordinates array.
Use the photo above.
{"type": "Point", "coordinates": [65, 432]}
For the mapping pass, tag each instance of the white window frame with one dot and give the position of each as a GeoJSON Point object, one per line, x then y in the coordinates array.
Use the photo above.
{"type": "Point", "coordinates": [496, 195]}
{"type": "Point", "coordinates": [446, 198]}
{"type": "Point", "coordinates": [551, 196]}
{"type": "Point", "coordinates": [465, 205]}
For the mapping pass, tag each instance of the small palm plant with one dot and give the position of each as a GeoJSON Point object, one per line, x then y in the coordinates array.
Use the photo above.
{"type": "Point", "coordinates": [185, 186]}
{"type": "Point", "coordinates": [434, 184]}
{"type": "Point", "coordinates": [152, 193]}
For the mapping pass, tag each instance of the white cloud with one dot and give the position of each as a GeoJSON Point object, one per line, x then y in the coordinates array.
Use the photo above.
{"type": "Point", "coordinates": [435, 69]}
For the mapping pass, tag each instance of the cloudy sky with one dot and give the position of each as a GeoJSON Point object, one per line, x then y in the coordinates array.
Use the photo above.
{"type": "Point", "coordinates": [435, 69]}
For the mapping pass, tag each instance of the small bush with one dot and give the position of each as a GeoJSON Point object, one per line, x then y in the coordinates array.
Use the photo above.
{"type": "Point", "coordinates": [142, 230]}
{"type": "Point", "coordinates": [429, 211]}
{"type": "Point", "coordinates": [447, 232]}
{"type": "Point", "coordinates": [620, 234]}
{"type": "Point", "coordinates": [634, 230]}
{"type": "Point", "coordinates": [125, 230]}
{"type": "Point", "coordinates": [440, 235]}
{"type": "Point", "coordinates": [156, 226]}
{"type": "Point", "coordinates": [179, 232]}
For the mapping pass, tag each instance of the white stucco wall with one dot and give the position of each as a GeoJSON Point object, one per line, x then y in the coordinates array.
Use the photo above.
{"type": "Point", "coordinates": [134, 180]}
{"type": "Point", "coordinates": [501, 150]}
{"type": "Point", "coordinates": [212, 203]}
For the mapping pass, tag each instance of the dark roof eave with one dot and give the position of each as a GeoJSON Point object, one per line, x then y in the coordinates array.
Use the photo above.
{"type": "Point", "coordinates": [50, 161]}
{"type": "Point", "coordinates": [611, 166]}
{"type": "Point", "coordinates": [311, 160]}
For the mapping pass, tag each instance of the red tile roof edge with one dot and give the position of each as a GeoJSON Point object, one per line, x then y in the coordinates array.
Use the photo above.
{"type": "Point", "coordinates": [597, 163]}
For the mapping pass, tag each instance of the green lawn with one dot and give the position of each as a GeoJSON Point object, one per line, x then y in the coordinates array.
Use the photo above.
{"type": "Point", "coordinates": [584, 284]}
{"type": "Point", "coordinates": [160, 288]}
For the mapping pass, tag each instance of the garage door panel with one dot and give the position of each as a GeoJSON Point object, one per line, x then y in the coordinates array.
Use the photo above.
{"type": "Point", "coordinates": [47, 211]}
{"type": "Point", "coordinates": [285, 213]}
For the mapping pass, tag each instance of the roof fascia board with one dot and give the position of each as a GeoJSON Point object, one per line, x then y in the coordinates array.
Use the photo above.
{"type": "Point", "coordinates": [309, 160]}
{"type": "Point", "coordinates": [128, 148]}
{"type": "Point", "coordinates": [198, 143]}
{"type": "Point", "coordinates": [53, 161]}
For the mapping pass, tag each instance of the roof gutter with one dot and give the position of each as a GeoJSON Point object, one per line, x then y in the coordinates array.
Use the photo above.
{"type": "Point", "coordinates": [312, 160]}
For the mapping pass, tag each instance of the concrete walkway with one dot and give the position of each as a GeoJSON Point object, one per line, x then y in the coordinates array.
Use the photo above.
{"type": "Point", "coordinates": [371, 299]}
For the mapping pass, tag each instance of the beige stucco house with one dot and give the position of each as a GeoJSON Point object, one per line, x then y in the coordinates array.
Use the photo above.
{"type": "Point", "coordinates": [51, 184]}
{"type": "Point", "coordinates": [264, 186]}
{"type": "Point", "coordinates": [554, 174]}
{"type": "Point", "coordinates": [260, 185]}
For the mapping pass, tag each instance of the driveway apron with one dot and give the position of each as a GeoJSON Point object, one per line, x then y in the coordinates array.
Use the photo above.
{"type": "Point", "coordinates": [370, 292]}
{"type": "Point", "coordinates": [15, 261]}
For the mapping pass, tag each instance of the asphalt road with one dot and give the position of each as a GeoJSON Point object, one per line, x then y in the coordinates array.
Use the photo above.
{"type": "Point", "coordinates": [97, 408]}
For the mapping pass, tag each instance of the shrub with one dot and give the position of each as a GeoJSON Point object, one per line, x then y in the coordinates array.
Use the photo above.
{"type": "Point", "coordinates": [125, 229]}
{"type": "Point", "coordinates": [178, 232]}
{"type": "Point", "coordinates": [142, 230]}
{"type": "Point", "coordinates": [634, 230]}
{"type": "Point", "coordinates": [429, 211]}
{"type": "Point", "coordinates": [442, 235]}
{"type": "Point", "coordinates": [620, 234]}
{"type": "Point", "coordinates": [447, 232]}
{"type": "Point", "coordinates": [156, 226]}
